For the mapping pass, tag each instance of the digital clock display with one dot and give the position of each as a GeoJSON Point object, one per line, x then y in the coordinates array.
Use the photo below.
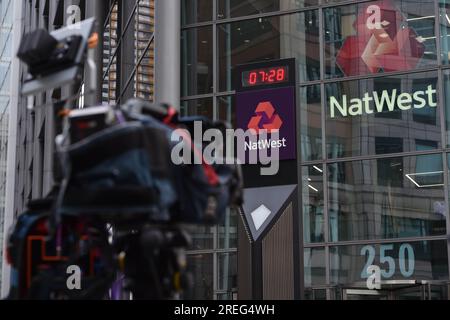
{"type": "Point", "coordinates": [265, 76]}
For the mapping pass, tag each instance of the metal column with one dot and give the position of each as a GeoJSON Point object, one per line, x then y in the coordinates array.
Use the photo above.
{"type": "Point", "coordinates": [97, 9]}
{"type": "Point", "coordinates": [167, 52]}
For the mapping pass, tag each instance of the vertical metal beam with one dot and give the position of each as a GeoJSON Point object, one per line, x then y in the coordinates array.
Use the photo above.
{"type": "Point", "coordinates": [442, 114]}
{"type": "Point", "coordinates": [167, 51]}
{"type": "Point", "coordinates": [298, 237]}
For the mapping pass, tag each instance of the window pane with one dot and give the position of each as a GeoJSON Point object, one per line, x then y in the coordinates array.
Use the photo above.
{"type": "Point", "coordinates": [444, 23]}
{"type": "Point", "coordinates": [196, 107]}
{"type": "Point", "coordinates": [201, 268]}
{"type": "Point", "coordinates": [422, 260]}
{"type": "Point", "coordinates": [227, 271]}
{"type": "Point", "coordinates": [382, 115]}
{"type": "Point", "coordinates": [227, 296]}
{"type": "Point", "coordinates": [110, 46]}
{"type": "Point", "coordinates": [226, 109]}
{"type": "Point", "coordinates": [313, 216]}
{"type": "Point", "coordinates": [379, 36]}
{"type": "Point", "coordinates": [311, 122]}
{"type": "Point", "coordinates": [446, 94]}
{"type": "Point", "coordinates": [314, 261]}
{"type": "Point", "coordinates": [145, 54]}
{"type": "Point", "coordinates": [237, 8]}
{"type": "Point", "coordinates": [193, 11]}
{"type": "Point", "coordinates": [294, 35]}
{"type": "Point", "coordinates": [315, 294]}
{"type": "Point", "coordinates": [196, 61]}
{"type": "Point", "coordinates": [386, 198]}
{"type": "Point", "coordinates": [228, 230]}
{"type": "Point", "coordinates": [202, 237]}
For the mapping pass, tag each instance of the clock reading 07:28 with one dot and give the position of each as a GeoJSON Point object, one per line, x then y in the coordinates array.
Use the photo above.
{"type": "Point", "coordinates": [265, 76]}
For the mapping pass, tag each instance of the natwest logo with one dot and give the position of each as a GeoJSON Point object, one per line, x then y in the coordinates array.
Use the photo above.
{"type": "Point", "coordinates": [265, 118]}
{"type": "Point", "coordinates": [268, 116]}
{"type": "Point", "coordinates": [383, 42]}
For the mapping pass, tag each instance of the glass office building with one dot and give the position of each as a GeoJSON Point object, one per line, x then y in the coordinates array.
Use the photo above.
{"type": "Point", "coordinates": [6, 33]}
{"type": "Point", "coordinates": [373, 96]}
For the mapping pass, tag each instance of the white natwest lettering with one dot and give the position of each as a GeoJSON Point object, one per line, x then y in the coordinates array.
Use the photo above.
{"type": "Point", "coordinates": [266, 144]}
{"type": "Point", "coordinates": [386, 101]}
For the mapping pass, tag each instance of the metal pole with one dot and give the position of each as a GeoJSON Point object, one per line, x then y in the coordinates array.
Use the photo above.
{"type": "Point", "coordinates": [167, 52]}
{"type": "Point", "coordinates": [97, 9]}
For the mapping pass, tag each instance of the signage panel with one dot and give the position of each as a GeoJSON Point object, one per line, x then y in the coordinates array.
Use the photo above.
{"type": "Point", "coordinates": [270, 109]}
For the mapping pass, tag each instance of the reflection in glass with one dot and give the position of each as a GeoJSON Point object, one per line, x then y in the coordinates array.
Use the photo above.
{"type": "Point", "coordinates": [228, 230]}
{"type": "Point", "coordinates": [314, 262]}
{"type": "Point", "coordinates": [315, 294]}
{"type": "Point", "coordinates": [237, 8]}
{"type": "Point", "coordinates": [386, 198]}
{"type": "Point", "coordinates": [313, 215]}
{"type": "Point", "coordinates": [144, 26]}
{"type": "Point", "coordinates": [202, 237]}
{"type": "Point", "coordinates": [201, 268]}
{"type": "Point", "coordinates": [110, 46]}
{"type": "Point", "coordinates": [311, 122]}
{"type": "Point", "coordinates": [444, 23]}
{"type": "Point", "coordinates": [227, 296]}
{"type": "Point", "coordinates": [227, 271]}
{"type": "Point", "coordinates": [193, 11]}
{"type": "Point", "coordinates": [382, 115]}
{"type": "Point", "coordinates": [288, 36]}
{"type": "Point", "coordinates": [422, 260]}
{"type": "Point", "coordinates": [196, 61]}
{"type": "Point", "coordinates": [197, 107]}
{"type": "Point", "coordinates": [226, 109]}
{"type": "Point", "coordinates": [379, 36]}
{"type": "Point", "coordinates": [446, 94]}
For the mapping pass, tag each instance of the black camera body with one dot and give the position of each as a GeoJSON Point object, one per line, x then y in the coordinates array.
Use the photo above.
{"type": "Point", "coordinates": [121, 167]}
{"type": "Point", "coordinates": [56, 58]}
{"type": "Point", "coordinates": [45, 55]}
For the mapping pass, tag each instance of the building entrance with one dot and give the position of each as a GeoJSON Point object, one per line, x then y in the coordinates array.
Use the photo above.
{"type": "Point", "coordinates": [398, 290]}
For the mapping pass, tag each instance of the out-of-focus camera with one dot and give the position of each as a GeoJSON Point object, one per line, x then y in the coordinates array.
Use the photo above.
{"type": "Point", "coordinates": [44, 54]}
{"type": "Point", "coordinates": [85, 122]}
{"type": "Point", "coordinates": [54, 59]}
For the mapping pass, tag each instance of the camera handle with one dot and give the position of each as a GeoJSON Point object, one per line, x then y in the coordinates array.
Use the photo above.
{"type": "Point", "coordinates": [62, 140]}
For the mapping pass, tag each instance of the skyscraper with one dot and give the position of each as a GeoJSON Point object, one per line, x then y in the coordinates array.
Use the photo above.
{"type": "Point", "coordinates": [10, 29]}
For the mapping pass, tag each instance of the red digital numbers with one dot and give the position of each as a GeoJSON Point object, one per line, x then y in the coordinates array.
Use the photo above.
{"type": "Point", "coordinates": [253, 78]}
{"type": "Point", "coordinates": [272, 74]}
{"type": "Point", "coordinates": [265, 76]}
{"type": "Point", "coordinates": [280, 74]}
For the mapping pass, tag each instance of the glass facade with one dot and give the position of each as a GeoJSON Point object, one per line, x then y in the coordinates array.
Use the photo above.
{"type": "Point", "coordinates": [6, 31]}
{"type": "Point", "coordinates": [374, 103]}
{"type": "Point", "coordinates": [128, 51]}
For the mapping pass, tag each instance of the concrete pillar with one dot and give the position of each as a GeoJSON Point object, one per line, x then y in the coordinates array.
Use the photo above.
{"type": "Point", "coordinates": [97, 9]}
{"type": "Point", "coordinates": [167, 52]}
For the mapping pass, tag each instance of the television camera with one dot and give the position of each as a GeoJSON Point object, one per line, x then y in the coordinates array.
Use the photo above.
{"type": "Point", "coordinates": [118, 211]}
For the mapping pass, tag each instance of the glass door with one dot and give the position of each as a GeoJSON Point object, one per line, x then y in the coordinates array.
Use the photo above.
{"type": "Point", "coordinates": [365, 294]}
{"type": "Point", "coordinates": [412, 293]}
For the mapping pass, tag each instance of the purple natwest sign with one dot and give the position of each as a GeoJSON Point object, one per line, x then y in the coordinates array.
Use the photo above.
{"type": "Point", "coordinates": [270, 109]}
